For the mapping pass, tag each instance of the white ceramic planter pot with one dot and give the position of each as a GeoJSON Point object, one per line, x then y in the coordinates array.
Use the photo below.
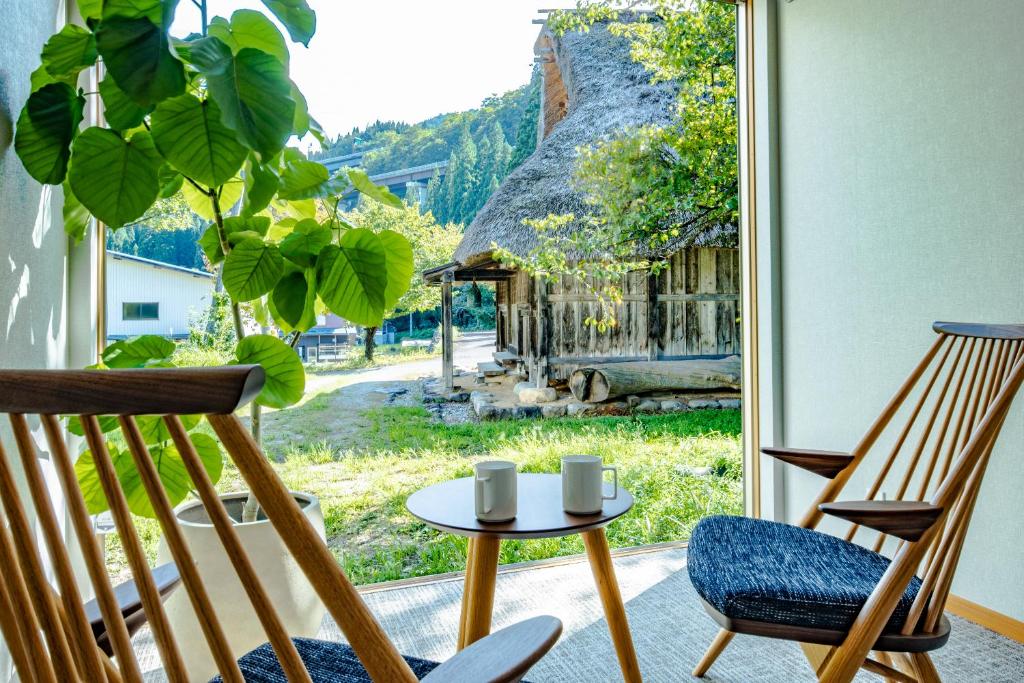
{"type": "Point", "coordinates": [291, 593]}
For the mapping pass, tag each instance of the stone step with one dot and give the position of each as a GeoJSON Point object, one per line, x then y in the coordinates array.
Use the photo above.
{"type": "Point", "coordinates": [490, 369]}
{"type": "Point", "coordinates": [506, 358]}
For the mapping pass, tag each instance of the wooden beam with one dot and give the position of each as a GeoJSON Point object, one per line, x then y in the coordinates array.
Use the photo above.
{"type": "Point", "coordinates": [447, 343]}
{"type": "Point", "coordinates": [588, 360]}
{"type": "Point", "coordinates": [543, 332]}
{"type": "Point", "coordinates": [654, 322]}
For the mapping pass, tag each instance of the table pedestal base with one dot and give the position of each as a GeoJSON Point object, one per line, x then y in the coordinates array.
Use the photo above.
{"type": "Point", "coordinates": [478, 596]}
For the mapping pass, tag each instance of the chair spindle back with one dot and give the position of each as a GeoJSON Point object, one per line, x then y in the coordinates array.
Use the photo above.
{"type": "Point", "coordinates": [46, 628]}
{"type": "Point", "coordinates": [942, 423]}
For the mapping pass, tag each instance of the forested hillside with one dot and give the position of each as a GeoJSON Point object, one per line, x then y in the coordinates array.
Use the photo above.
{"type": "Point", "coordinates": [481, 147]}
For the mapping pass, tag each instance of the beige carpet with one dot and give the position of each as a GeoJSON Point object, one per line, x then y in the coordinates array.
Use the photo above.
{"type": "Point", "coordinates": [670, 629]}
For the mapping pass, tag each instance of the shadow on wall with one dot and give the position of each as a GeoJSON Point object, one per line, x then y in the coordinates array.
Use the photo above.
{"type": "Point", "coordinates": [33, 251]}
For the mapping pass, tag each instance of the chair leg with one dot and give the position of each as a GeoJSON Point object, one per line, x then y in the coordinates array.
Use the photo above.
{"type": "Point", "coordinates": [817, 655]}
{"type": "Point", "coordinates": [925, 668]}
{"type": "Point", "coordinates": [720, 642]}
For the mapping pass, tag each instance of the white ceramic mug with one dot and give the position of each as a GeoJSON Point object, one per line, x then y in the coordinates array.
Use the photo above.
{"type": "Point", "coordinates": [495, 491]}
{"type": "Point", "coordinates": [583, 484]}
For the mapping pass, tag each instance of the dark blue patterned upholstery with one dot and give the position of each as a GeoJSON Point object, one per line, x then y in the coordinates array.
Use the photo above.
{"type": "Point", "coordinates": [327, 663]}
{"type": "Point", "coordinates": [782, 574]}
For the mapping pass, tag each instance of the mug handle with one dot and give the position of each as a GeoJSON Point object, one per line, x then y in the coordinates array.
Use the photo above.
{"type": "Point", "coordinates": [615, 482]}
{"type": "Point", "coordinates": [481, 490]}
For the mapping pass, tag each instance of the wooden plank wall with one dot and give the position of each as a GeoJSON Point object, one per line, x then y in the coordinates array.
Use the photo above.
{"type": "Point", "coordinates": [698, 312]}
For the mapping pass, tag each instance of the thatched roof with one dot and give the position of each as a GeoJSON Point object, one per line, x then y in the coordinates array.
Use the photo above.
{"type": "Point", "coordinates": [607, 93]}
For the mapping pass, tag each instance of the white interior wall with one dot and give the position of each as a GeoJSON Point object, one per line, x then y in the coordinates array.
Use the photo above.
{"type": "Point", "coordinates": [47, 287]}
{"type": "Point", "coordinates": [894, 200]}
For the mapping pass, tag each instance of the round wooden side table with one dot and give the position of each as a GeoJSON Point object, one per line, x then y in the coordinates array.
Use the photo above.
{"type": "Point", "coordinates": [449, 506]}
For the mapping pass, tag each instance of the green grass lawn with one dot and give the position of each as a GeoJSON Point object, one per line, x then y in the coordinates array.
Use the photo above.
{"type": "Point", "coordinates": [679, 467]}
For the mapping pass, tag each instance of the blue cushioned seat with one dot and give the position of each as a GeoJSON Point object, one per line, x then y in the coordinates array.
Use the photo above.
{"type": "Point", "coordinates": [327, 663]}
{"type": "Point", "coordinates": [781, 574]}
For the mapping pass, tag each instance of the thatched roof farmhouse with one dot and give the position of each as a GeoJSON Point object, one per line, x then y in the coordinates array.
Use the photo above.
{"type": "Point", "coordinates": [591, 88]}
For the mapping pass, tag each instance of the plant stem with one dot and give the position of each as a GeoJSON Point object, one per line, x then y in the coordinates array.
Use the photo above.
{"type": "Point", "coordinates": [202, 14]}
{"type": "Point", "coordinates": [225, 246]}
{"type": "Point", "coordinates": [252, 506]}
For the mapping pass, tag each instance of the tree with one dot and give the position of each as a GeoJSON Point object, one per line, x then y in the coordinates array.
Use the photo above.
{"type": "Point", "coordinates": [431, 245]}
{"type": "Point", "coordinates": [651, 185]}
{"type": "Point", "coordinates": [526, 133]}
{"type": "Point", "coordinates": [210, 118]}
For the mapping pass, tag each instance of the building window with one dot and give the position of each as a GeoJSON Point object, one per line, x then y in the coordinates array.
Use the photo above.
{"type": "Point", "coordinates": [140, 311]}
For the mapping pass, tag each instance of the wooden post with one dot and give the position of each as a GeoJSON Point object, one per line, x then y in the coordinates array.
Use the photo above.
{"type": "Point", "coordinates": [543, 332]}
{"type": "Point", "coordinates": [653, 317]}
{"type": "Point", "coordinates": [447, 343]}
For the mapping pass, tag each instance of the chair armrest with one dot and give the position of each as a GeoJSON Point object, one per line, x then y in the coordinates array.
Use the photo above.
{"type": "Point", "coordinates": [824, 463]}
{"type": "Point", "coordinates": [502, 657]}
{"type": "Point", "coordinates": [906, 519]}
{"type": "Point", "coordinates": [166, 578]}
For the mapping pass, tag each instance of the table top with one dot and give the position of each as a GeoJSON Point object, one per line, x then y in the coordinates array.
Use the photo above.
{"type": "Point", "coordinates": [449, 506]}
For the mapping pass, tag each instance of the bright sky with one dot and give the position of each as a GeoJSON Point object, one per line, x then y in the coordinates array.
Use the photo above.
{"type": "Point", "coordinates": [404, 60]}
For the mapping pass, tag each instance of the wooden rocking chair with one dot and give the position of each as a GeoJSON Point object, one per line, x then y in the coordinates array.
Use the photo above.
{"type": "Point", "coordinates": [839, 599]}
{"type": "Point", "coordinates": [47, 629]}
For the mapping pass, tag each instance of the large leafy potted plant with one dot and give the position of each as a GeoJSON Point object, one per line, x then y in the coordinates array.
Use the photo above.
{"type": "Point", "coordinates": [210, 115]}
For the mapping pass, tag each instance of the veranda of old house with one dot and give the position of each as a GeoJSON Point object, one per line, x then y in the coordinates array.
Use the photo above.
{"type": "Point", "coordinates": [881, 163]}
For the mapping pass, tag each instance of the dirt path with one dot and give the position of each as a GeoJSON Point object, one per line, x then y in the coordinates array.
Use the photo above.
{"type": "Point", "coordinates": [334, 406]}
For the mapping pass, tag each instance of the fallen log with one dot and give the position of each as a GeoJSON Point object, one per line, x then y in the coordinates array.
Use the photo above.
{"type": "Point", "coordinates": [596, 383]}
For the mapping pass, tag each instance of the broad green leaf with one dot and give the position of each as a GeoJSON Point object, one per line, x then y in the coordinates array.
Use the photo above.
{"type": "Point", "coordinates": [253, 91]}
{"type": "Point", "coordinates": [261, 184]}
{"type": "Point", "coordinates": [294, 298]}
{"type": "Point", "coordinates": [90, 9]}
{"type": "Point", "coordinates": [172, 472]}
{"type": "Point", "coordinates": [138, 352]}
{"type": "Point", "coordinates": [76, 217]}
{"type": "Point", "coordinates": [190, 135]}
{"type": "Point", "coordinates": [255, 224]}
{"type": "Point", "coordinates": [304, 242]}
{"type": "Point", "coordinates": [154, 430]}
{"type": "Point", "coordinates": [380, 193]}
{"type": "Point", "coordinates": [200, 202]}
{"type": "Point", "coordinates": [160, 12]}
{"type": "Point", "coordinates": [249, 28]}
{"type": "Point", "coordinates": [89, 479]}
{"type": "Point", "coordinates": [210, 244]}
{"type": "Point", "coordinates": [69, 51]}
{"type": "Point", "coordinates": [300, 122]}
{"type": "Point", "coordinates": [47, 125]}
{"type": "Point", "coordinates": [352, 278]}
{"type": "Point", "coordinates": [289, 155]}
{"type": "Point", "coordinates": [170, 181]}
{"type": "Point", "coordinates": [296, 16]}
{"type": "Point", "coordinates": [252, 269]}
{"type": "Point", "coordinates": [116, 180]}
{"type": "Point", "coordinates": [317, 131]}
{"type": "Point", "coordinates": [285, 379]}
{"type": "Point", "coordinates": [41, 77]}
{"type": "Point", "coordinates": [118, 109]}
{"type": "Point", "coordinates": [137, 54]}
{"type": "Point", "coordinates": [208, 449]}
{"type": "Point", "coordinates": [242, 235]}
{"type": "Point", "coordinates": [296, 208]}
{"type": "Point", "coordinates": [259, 312]}
{"type": "Point", "coordinates": [309, 179]}
{"type": "Point", "coordinates": [169, 466]}
{"type": "Point", "coordinates": [399, 259]}
{"type": "Point", "coordinates": [108, 423]}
